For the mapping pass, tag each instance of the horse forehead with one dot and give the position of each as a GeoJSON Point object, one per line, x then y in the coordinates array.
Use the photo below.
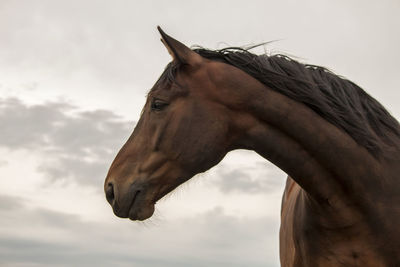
{"type": "Point", "coordinates": [208, 74]}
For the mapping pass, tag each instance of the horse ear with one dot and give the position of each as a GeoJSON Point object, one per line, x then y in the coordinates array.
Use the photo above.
{"type": "Point", "coordinates": [179, 51]}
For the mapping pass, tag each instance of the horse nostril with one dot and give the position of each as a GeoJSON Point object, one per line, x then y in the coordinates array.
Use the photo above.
{"type": "Point", "coordinates": [110, 193]}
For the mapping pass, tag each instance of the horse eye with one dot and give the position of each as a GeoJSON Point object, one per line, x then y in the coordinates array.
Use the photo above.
{"type": "Point", "coordinates": [158, 105]}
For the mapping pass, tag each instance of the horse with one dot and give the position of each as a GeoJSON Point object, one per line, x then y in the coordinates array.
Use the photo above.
{"type": "Point", "coordinates": [339, 147]}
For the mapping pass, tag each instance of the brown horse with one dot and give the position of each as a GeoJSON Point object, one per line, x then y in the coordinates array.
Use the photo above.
{"type": "Point", "coordinates": [339, 146]}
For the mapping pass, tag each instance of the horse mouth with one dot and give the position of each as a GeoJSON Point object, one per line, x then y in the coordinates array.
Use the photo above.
{"type": "Point", "coordinates": [140, 209]}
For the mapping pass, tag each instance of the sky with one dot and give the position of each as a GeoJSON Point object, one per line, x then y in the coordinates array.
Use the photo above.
{"type": "Point", "coordinates": [73, 80]}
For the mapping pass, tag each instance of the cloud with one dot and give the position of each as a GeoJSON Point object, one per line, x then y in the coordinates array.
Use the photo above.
{"type": "Point", "coordinates": [43, 237]}
{"type": "Point", "coordinates": [74, 38]}
{"type": "Point", "coordinates": [74, 145]}
{"type": "Point", "coordinates": [3, 163]}
{"type": "Point", "coordinates": [80, 145]}
{"type": "Point", "coordinates": [10, 202]}
{"type": "Point", "coordinates": [261, 178]}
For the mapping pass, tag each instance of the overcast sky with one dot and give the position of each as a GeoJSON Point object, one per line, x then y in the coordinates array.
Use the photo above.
{"type": "Point", "coordinates": [73, 79]}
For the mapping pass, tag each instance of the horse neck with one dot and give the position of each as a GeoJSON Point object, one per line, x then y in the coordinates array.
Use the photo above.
{"type": "Point", "coordinates": [300, 142]}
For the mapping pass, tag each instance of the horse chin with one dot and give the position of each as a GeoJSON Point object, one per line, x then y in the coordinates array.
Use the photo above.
{"type": "Point", "coordinates": [141, 213]}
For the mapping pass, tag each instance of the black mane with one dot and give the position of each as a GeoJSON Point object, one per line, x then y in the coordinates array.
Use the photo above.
{"type": "Point", "coordinates": [336, 99]}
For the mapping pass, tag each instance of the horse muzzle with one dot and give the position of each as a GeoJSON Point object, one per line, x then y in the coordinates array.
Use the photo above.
{"type": "Point", "coordinates": [131, 203]}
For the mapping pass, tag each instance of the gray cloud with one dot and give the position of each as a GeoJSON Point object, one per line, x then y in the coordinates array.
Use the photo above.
{"type": "Point", "coordinates": [262, 178]}
{"type": "Point", "coordinates": [50, 238]}
{"type": "Point", "coordinates": [80, 145]}
{"type": "Point", "coordinates": [10, 202]}
{"type": "Point", "coordinates": [74, 144]}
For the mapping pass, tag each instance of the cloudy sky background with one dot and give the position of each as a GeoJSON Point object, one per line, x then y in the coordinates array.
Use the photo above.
{"type": "Point", "coordinates": [73, 79]}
